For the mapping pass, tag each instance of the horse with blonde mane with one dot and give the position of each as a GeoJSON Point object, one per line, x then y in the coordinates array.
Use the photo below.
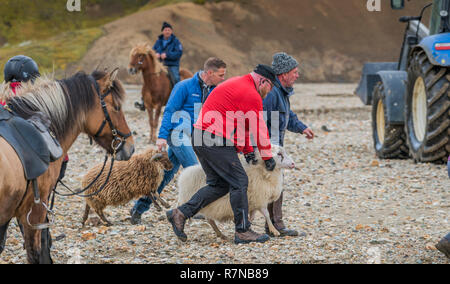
{"type": "Point", "coordinates": [81, 103]}
{"type": "Point", "coordinates": [157, 85]}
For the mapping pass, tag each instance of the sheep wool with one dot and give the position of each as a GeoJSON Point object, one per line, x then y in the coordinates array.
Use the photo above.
{"type": "Point", "coordinates": [264, 187]}
{"type": "Point", "coordinates": [139, 176]}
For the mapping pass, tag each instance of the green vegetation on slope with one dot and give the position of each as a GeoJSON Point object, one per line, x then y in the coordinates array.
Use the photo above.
{"type": "Point", "coordinates": [23, 20]}
{"type": "Point", "coordinates": [54, 53]}
{"type": "Point", "coordinates": [50, 34]}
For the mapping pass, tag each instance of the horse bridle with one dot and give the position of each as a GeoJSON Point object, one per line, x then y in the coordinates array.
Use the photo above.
{"type": "Point", "coordinates": [119, 138]}
{"type": "Point", "coordinates": [153, 73]}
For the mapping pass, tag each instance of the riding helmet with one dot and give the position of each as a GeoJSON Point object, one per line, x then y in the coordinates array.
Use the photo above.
{"type": "Point", "coordinates": [21, 68]}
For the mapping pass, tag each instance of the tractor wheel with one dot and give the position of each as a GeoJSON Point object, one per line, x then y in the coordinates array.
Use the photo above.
{"type": "Point", "coordinates": [389, 140]}
{"type": "Point", "coordinates": [427, 121]}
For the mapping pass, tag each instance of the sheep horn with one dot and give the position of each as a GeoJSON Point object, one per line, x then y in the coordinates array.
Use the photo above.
{"type": "Point", "coordinates": [156, 157]}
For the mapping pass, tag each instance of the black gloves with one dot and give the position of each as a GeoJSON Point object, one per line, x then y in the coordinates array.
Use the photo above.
{"type": "Point", "coordinates": [270, 164]}
{"type": "Point", "coordinates": [250, 157]}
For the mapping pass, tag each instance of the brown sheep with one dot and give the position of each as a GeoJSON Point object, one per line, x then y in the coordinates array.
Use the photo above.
{"type": "Point", "coordinates": [139, 176]}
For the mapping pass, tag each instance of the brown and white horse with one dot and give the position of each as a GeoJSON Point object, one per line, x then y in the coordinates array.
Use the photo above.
{"type": "Point", "coordinates": [73, 105]}
{"type": "Point", "coordinates": [157, 86]}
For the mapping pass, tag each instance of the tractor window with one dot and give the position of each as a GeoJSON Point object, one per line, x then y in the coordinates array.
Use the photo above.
{"type": "Point", "coordinates": [435, 19]}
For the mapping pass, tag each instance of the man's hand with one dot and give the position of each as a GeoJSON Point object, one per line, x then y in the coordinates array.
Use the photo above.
{"type": "Point", "coordinates": [158, 55]}
{"type": "Point", "coordinates": [270, 164]}
{"type": "Point", "coordinates": [250, 157]}
{"type": "Point", "coordinates": [161, 144]}
{"type": "Point", "coordinates": [309, 133]}
{"type": "Point", "coordinates": [163, 56]}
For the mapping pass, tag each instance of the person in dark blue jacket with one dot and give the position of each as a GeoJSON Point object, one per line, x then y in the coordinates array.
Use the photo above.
{"type": "Point", "coordinates": [180, 114]}
{"type": "Point", "coordinates": [444, 244]}
{"type": "Point", "coordinates": [169, 50]}
{"type": "Point", "coordinates": [280, 118]}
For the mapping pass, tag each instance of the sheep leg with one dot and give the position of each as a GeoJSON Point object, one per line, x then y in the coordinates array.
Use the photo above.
{"type": "Point", "coordinates": [86, 214]}
{"type": "Point", "coordinates": [252, 216]}
{"type": "Point", "coordinates": [266, 215]}
{"type": "Point", "coordinates": [216, 230]}
{"type": "Point", "coordinates": [162, 201]}
{"type": "Point", "coordinates": [103, 218]}
{"type": "Point", "coordinates": [155, 202]}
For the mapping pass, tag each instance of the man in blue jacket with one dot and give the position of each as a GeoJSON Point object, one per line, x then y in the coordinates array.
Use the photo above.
{"type": "Point", "coordinates": [169, 50]}
{"type": "Point", "coordinates": [280, 118]}
{"type": "Point", "coordinates": [180, 114]}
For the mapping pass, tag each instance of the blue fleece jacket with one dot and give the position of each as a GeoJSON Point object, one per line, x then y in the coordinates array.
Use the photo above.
{"type": "Point", "coordinates": [278, 100]}
{"type": "Point", "coordinates": [173, 49]}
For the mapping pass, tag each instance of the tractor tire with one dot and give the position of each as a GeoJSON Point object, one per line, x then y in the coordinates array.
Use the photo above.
{"type": "Point", "coordinates": [427, 114]}
{"type": "Point", "coordinates": [389, 139]}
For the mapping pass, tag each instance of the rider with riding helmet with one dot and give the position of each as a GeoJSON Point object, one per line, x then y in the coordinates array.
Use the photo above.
{"type": "Point", "coordinates": [21, 69]}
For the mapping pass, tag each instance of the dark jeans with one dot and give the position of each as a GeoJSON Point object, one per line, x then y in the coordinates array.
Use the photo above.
{"type": "Point", "coordinates": [224, 173]}
{"type": "Point", "coordinates": [174, 72]}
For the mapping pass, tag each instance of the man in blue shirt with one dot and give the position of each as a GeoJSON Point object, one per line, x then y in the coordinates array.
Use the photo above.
{"type": "Point", "coordinates": [180, 114]}
{"type": "Point", "coordinates": [280, 118]}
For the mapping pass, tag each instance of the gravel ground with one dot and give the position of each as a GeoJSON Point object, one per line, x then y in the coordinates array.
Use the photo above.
{"type": "Point", "coordinates": [350, 206]}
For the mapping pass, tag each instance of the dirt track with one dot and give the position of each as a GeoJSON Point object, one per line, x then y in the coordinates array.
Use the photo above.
{"type": "Point", "coordinates": [352, 207]}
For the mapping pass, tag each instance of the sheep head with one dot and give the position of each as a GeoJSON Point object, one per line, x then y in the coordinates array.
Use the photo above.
{"type": "Point", "coordinates": [163, 158]}
{"type": "Point", "coordinates": [283, 160]}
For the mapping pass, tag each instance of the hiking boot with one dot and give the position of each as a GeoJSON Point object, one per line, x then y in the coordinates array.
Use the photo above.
{"type": "Point", "coordinates": [444, 246]}
{"type": "Point", "coordinates": [135, 217]}
{"type": "Point", "coordinates": [139, 105]}
{"type": "Point", "coordinates": [249, 237]}
{"type": "Point", "coordinates": [284, 232]}
{"type": "Point", "coordinates": [177, 219]}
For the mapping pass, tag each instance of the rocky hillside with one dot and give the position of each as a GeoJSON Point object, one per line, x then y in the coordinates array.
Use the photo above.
{"type": "Point", "coordinates": [332, 39]}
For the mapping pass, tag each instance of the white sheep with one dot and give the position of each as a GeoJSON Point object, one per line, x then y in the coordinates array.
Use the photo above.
{"type": "Point", "coordinates": [264, 187]}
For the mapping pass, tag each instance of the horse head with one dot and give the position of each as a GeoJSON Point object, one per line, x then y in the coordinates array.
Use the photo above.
{"type": "Point", "coordinates": [106, 122]}
{"type": "Point", "coordinates": [138, 56]}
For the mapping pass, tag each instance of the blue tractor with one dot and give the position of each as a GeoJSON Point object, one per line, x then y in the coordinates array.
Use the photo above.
{"type": "Point", "coordinates": [411, 98]}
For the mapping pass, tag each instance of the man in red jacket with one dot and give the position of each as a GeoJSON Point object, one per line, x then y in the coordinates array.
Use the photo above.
{"type": "Point", "coordinates": [230, 117]}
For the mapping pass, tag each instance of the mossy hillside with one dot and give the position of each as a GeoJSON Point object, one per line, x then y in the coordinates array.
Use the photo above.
{"type": "Point", "coordinates": [55, 53]}
{"type": "Point", "coordinates": [50, 34]}
{"type": "Point", "coordinates": [23, 20]}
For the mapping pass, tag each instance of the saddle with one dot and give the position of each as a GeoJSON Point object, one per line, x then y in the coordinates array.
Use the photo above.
{"type": "Point", "coordinates": [35, 146]}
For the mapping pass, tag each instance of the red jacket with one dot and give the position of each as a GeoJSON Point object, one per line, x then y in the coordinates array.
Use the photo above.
{"type": "Point", "coordinates": [13, 87]}
{"type": "Point", "coordinates": [234, 110]}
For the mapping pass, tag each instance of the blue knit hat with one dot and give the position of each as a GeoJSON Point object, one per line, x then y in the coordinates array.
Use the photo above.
{"type": "Point", "coordinates": [166, 25]}
{"type": "Point", "coordinates": [283, 63]}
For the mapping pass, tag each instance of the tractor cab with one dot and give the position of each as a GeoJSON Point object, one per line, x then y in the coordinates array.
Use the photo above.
{"type": "Point", "coordinates": [439, 20]}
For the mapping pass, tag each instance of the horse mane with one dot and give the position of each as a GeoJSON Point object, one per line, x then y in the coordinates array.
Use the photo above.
{"type": "Point", "coordinates": [65, 102]}
{"type": "Point", "coordinates": [45, 96]}
{"type": "Point", "coordinates": [144, 48]}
